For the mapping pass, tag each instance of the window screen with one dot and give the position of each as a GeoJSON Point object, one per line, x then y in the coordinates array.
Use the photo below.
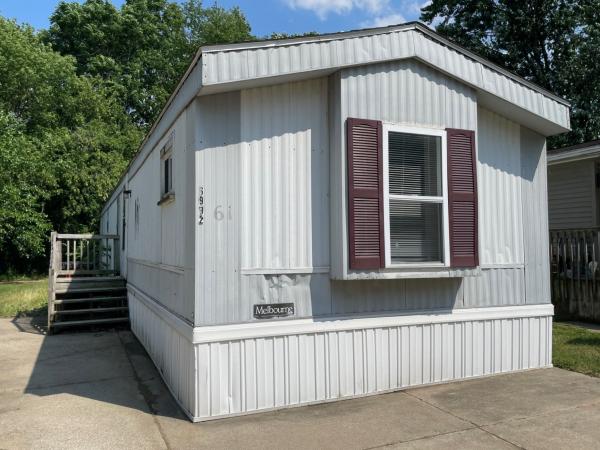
{"type": "Point", "coordinates": [415, 198]}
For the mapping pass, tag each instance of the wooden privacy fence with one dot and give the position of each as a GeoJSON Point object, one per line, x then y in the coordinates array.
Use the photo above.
{"type": "Point", "coordinates": [575, 273]}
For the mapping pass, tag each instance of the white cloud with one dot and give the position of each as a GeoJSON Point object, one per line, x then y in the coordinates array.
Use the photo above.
{"type": "Point", "coordinates": [384, 21]}
{"type": "Point", "coordinates": [323, 7]}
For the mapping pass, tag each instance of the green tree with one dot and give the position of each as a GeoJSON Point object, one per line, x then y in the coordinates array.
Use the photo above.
{"type": "Point", "coordinates": [64, 140]}
{"type": "Point", "coordinates": [25, 184]}
{"type": "Point", "coordinates": [553, 43]}
{"type": "Point", "coordinates": [214, 25]}
{"type": "Point", "coordinates": [143, 48]}
{"type": "Point", "coordinates": [75, 102]}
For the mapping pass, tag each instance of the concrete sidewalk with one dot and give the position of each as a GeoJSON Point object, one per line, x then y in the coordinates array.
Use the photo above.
{"type": "Point", "coordinates": [100, 390]}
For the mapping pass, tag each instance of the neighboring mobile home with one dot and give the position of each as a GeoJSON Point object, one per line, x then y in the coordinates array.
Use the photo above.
{"type": "Point", "coordinates": [574, 186]}
{"type": "Point", "coordinates": [325, 217]}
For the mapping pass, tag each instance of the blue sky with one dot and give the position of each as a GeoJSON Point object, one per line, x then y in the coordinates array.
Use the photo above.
{"type": "Point", "coordinates": [267, 16]}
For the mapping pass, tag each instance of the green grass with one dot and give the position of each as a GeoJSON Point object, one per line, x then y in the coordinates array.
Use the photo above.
{"type": "Point", "coordinates": [18, 298]}
{"type": "Point", "coordinates": [576, 349]}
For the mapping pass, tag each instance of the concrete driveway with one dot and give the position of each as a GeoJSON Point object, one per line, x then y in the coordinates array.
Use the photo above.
{"type": "Point", "coordinates": [99, 390]}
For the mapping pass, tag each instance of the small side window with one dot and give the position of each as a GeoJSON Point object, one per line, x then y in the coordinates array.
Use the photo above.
{"type": "Point", "coordinates": [167, 175]}
{"type": "Point", "coordinates": [167, 192]}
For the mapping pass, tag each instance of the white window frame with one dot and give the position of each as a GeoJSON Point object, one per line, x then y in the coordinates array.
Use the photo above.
{"type": "Point", "coordinates": [166, 154]}
{"type": "Point", "coordinates": [393, 127]}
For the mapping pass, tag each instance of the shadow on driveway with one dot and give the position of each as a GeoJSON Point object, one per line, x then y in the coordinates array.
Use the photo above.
{"type": "Point", "coordinates": [101, 390]}
{"type": "Point", "coordinates": [76, 362]}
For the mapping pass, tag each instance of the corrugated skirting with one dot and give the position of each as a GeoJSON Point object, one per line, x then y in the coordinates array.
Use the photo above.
{"type": "Point", "coordinates": [240, 369]}
{"type": "Point", "coordinates": [263, 373]}
{"type": "Point", "coordinates": [163, 336]}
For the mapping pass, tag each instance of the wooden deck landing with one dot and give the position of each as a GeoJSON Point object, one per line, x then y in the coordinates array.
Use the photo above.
{"type": "Point", "coordinates": [84, 283]}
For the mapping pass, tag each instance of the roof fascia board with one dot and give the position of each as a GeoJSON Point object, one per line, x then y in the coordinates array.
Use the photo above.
{"type": "Point", "coordinates": [308, 39]}
{"type": "Point", "coordinates": [574, 155]}
{"type": "Point", "coordinates": [375, 31]}
{"type": "Point", "coordinates": [433, 35]}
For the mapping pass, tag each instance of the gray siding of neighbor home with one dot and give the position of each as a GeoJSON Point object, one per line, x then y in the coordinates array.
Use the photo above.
{"type": "Point", "coordinates": [571, 195]}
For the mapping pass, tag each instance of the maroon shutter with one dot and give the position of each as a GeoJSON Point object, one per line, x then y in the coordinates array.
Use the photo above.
{"type": "Point", "coordinates": [365, 194]}
{"type": "Point", "coordinates": [462, 198]}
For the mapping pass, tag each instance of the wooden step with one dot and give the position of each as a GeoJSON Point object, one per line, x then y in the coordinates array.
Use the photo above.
{"type": "Point", "coordinates": [82, 279]}
{"type": "Point", "coordinates": [91, 310]}
{"type": "Point", "coordinates": [90, 322]}
{"type": "Point", "coordinates": [91, 299]}
{"type": "Point", "coordinates": [61, 284]}
{"type": "Point", "coordinates": [76, 290]}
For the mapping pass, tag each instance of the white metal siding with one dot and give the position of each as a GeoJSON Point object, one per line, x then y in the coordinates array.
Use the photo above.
{"type": "Point", "coordinates": [535, 217]}
{"type": "Point", "coordinates": [376, 296]}
{"type": "Point", "coordinates": [284, 171]}
{"type": "Point", "coordinates": [145, 234]}
{"type": "Point", "coordinates": [495, 287]}
{"type": "Point", "coordinates": [263, 163]}
{"type": "Point", "coordinates": [499, 189]}
{"type": "Point", "coordinates": [229, 66]}
{"type": "Point", "coordinates": [165, 285]}
{"type": "Point", "coordinates": [159, 240]}
{"type": "Point", "coordinates": [239, 65]}
{"type": "Point", "coordinates": [406, 92]}
{"type": "Point", "coordinates": [571, 195]}
{"type": "Point", "coordinates": [173, 213]}
{"type": "Point", "coordinates": [110, 218]}
{"type": "Point", "coordinates": [218, 179]}
{"type": "Point", "coordinates": [267, 372]}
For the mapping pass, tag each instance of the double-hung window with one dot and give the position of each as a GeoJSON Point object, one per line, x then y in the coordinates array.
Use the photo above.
{"type": "Point", "coordinates": [412, 197]}
{"type": "Point", "coordinates": [415, 197]}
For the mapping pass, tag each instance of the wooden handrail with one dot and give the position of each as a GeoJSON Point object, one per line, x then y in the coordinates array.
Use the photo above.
{"type": "Point", "coordinates": [75, 255]}
{"type": "Point", "coordinates": [86, 236]}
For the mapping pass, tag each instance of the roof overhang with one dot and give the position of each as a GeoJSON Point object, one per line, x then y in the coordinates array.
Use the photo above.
{"type": "Point", "coordinates": [239, 66]}
{"type": "Point", "coordinates": [580, 152]}
{"type": "Point", "coordinates": [222, 68]}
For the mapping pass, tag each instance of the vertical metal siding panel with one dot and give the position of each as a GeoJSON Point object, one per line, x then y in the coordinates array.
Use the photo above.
{"type": "Point", "coordinates": [224, 66]}
{"type": "Point", "coordinates": [294, 369]}
{"type": "Point", "coordinates": [145, 186]}
{"type": "Point", "coordinates": [157, 237]}
{"type": "Point", "coordinates": [432, 294]}
{"type": "Point", "coordinates": [217, 243]}
{"type": "Point", "coordinates": [285, 143]}
{"type": "Point", "coordinates": [499, 174]}
{"type": "Point", "coordinates": [164, 286]}
{"type": "Point", "coordinates": [535, 216]}
{"type": "Point", "coordinates": [173, 214]}
{"type": "Point", "coordinates": [495, 287]}
{"type": "Point", "coordinates": [447, 59]}
{"type": "Point", "coordinates": [413, 85]}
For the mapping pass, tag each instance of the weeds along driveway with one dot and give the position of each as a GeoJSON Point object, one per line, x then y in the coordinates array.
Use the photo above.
{"type": "Point", "coordinates": [100, 390]}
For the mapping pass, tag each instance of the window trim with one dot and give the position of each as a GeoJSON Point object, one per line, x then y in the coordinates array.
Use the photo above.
{"type": "Point", "coordinates": [399, 128]}
{"type": "Point", "coordinates": [166, 154]}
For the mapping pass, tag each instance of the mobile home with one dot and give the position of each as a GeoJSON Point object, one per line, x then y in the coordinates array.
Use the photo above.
{"type": "Point", "coordinates": [333, 216]}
